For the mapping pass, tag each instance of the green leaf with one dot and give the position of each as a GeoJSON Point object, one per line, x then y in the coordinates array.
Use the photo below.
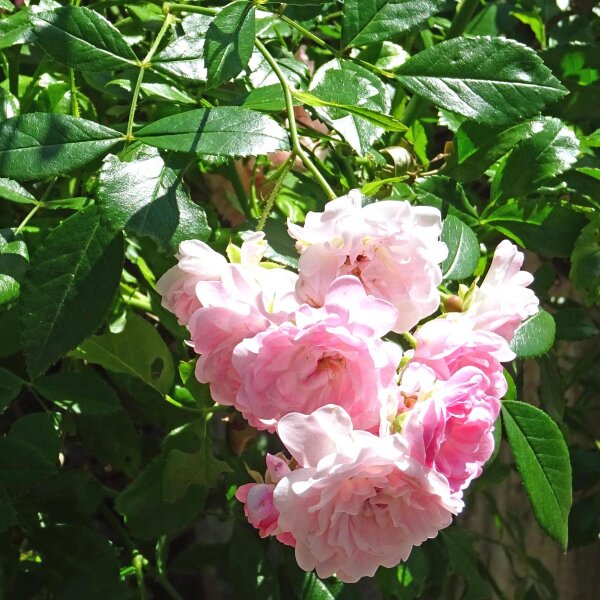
{"type": "Point", "coordinates": [549, 151]}
{"type": "Point", "coordinates": [112, 439]}
{"type": "Point", "coordinates": [347, 84]}
{"type": "Point", "coordinates": [219, 131]}
{"type": "Point", "coordinates": [69, 288]}
{"type": "Point", "coordinates": [542, 458]}
{"type": "Point", "coordinates": [542, 226]}
{"type": "Point", "coordinates": [491, 80]}
{"type": "Point", "coordinates": [585, 263]}
{"type": "Point", "coordinates": [144, 502]}
{"type": "Point", "coordinates": [552, 388]}
{"type": "Point", "coordinates": [138, 351]}
{"type": "Point", "coordinates": [477, 147]}
{"type": "Point", "coordinates": [574, 324]}
{"type": "Point", "coordinates": [534, 336]}
{"type": "Point", "coordinates": [141, 194]}
{"type": "Point", "coordinates": [463, 561]}
{"type": "Point", "coordinates": [80, 563]}
{"type": "Point", "coordinates": [463, 249]}
{"type": "Point", "coordinates": [16, 29]}
{"type": "Point", "coordinates": [265, 98]}
{"type": "Point", "coordinates": [29, 452]}
{"type": "Point", "coordinates": [375, 118]}
{"type": "Point", "coordinates": [10, 388]}
{"type": "Point", "coordinates": [11, 190]}
{"type": "Point", "coordinates": [183, 58]}
{"type": "Point", "coordinates": [14, 260]}
{"type": "Point", "coordinates": [8, 515]}
{"type": "Point", "coordinates": [83, 393]}
{"type": "Point", "coordinates": [40, 145]}
{"type": "Point", "coordinates": [183, 469]}
{"type": "Point", "coordinates": [447, 196]}
{"type": "Point", "coordinates": [82, 39]}
{"type": "Point", "coordinates": [229, 42]}
{"type": "Point", "coordinates": [377, 20]}
{"type": "Point", "coordinates": [39, 430]}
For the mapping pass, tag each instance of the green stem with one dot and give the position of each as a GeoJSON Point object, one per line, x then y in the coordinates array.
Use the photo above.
{"type": "Point", "coordinates": [74, 102]}
{"type": "Point", "coordinates": [463, 15]}
{"type": "Point", "coordinates": [131, 548]}
{"type": "Point", "coordinates": [37, 207]}
{"type": "Point", "coordinates": [289, 105]}
{"type": "Point", "coordinates": [200, 10]}
{"type": "Point", "coordinates": [28, 218]}
{"type": "Point", "coordinates": [13, 54]}
{"type": "Point", "coordinates": [138, 565]}
{"type": "Point", "coordinates": [146, 63]}
{"type": "Point", "coordinates": [410, 338]}
{"type": "Point", "coordinates": [273, 195]}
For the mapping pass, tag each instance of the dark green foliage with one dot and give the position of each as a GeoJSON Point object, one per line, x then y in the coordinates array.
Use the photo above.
{"type": "Point", "coordinates": [128, 127]}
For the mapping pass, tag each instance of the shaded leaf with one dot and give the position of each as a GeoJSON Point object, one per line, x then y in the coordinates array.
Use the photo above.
{"type": "Point", "coordinates": [138, 351]}
{"type": "Point", "coordinates": [10, 388]}
{"type": "Point", "coordinates": [463, 561]}
{"type": "Point", "coordinates": [83, 393]}
{"type": "Point", "coordinates": [585, 263]}
{"type": "Point", "coordinates": [143, 502]}
{"type": "Point", "coordinates": [69, 288]}
{"type": "Point", "coordinates": [548, 228]}
{"type": "Point", "coordinates": [14, 260]}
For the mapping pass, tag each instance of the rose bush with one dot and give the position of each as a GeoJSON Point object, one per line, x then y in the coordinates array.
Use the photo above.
{"type": "Point", "coordinates": [298, 300]}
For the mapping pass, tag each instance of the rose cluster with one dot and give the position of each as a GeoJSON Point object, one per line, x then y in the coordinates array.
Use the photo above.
{"type": "Point", "coordinates": [382, 442]}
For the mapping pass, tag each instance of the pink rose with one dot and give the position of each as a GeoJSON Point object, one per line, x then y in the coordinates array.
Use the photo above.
{"type": "Point", "coordinates": [447, 344]}
{"type": "Point", "coordinates": [329, 355]}
{"type": "Point", "coordinates": [258, 501]}
{"type": "Point", "coordinates": [392, 247]}
{"type": "Point", "coordinates": [197, 262]}
{"type": "Point", "coordinates": [503, 301]}
{"type": "Point", "coordinates": [244, 303]}
{"type": "Point", "coordinates": [448, 425]}
{"type": "Point", "coordinates": [357, 501]}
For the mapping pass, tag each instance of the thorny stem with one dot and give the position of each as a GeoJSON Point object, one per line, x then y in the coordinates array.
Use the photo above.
{"type": "Point", "coordinates": [73, 89]}
{"type": "Point", "coordinates": [169, 20]}
{"type": "Point", "coordinates": [273, 195]}
{"type": "Point", "coordinates": [289, 105]}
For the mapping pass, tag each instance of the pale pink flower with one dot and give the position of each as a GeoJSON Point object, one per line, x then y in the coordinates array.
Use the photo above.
{"type": "Point", "coordinates": [357, 501]}
{"type": "Point", "coordinates": [328, 355]}
{"type": "Point", "coordinates": [391, 246]}
{"type": "Point", "coordinates": [258, 501]}
{"type": "Point", "coordinates": [449, 343]}
{"type": "Point", "coordinates": [503, 301]}
{"type": "Point", "coordinates": [448, 425]}
{"type": "Point", "coordinates": [245, 302]}
{"type": "Point", "coordinates": [197, 262]}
